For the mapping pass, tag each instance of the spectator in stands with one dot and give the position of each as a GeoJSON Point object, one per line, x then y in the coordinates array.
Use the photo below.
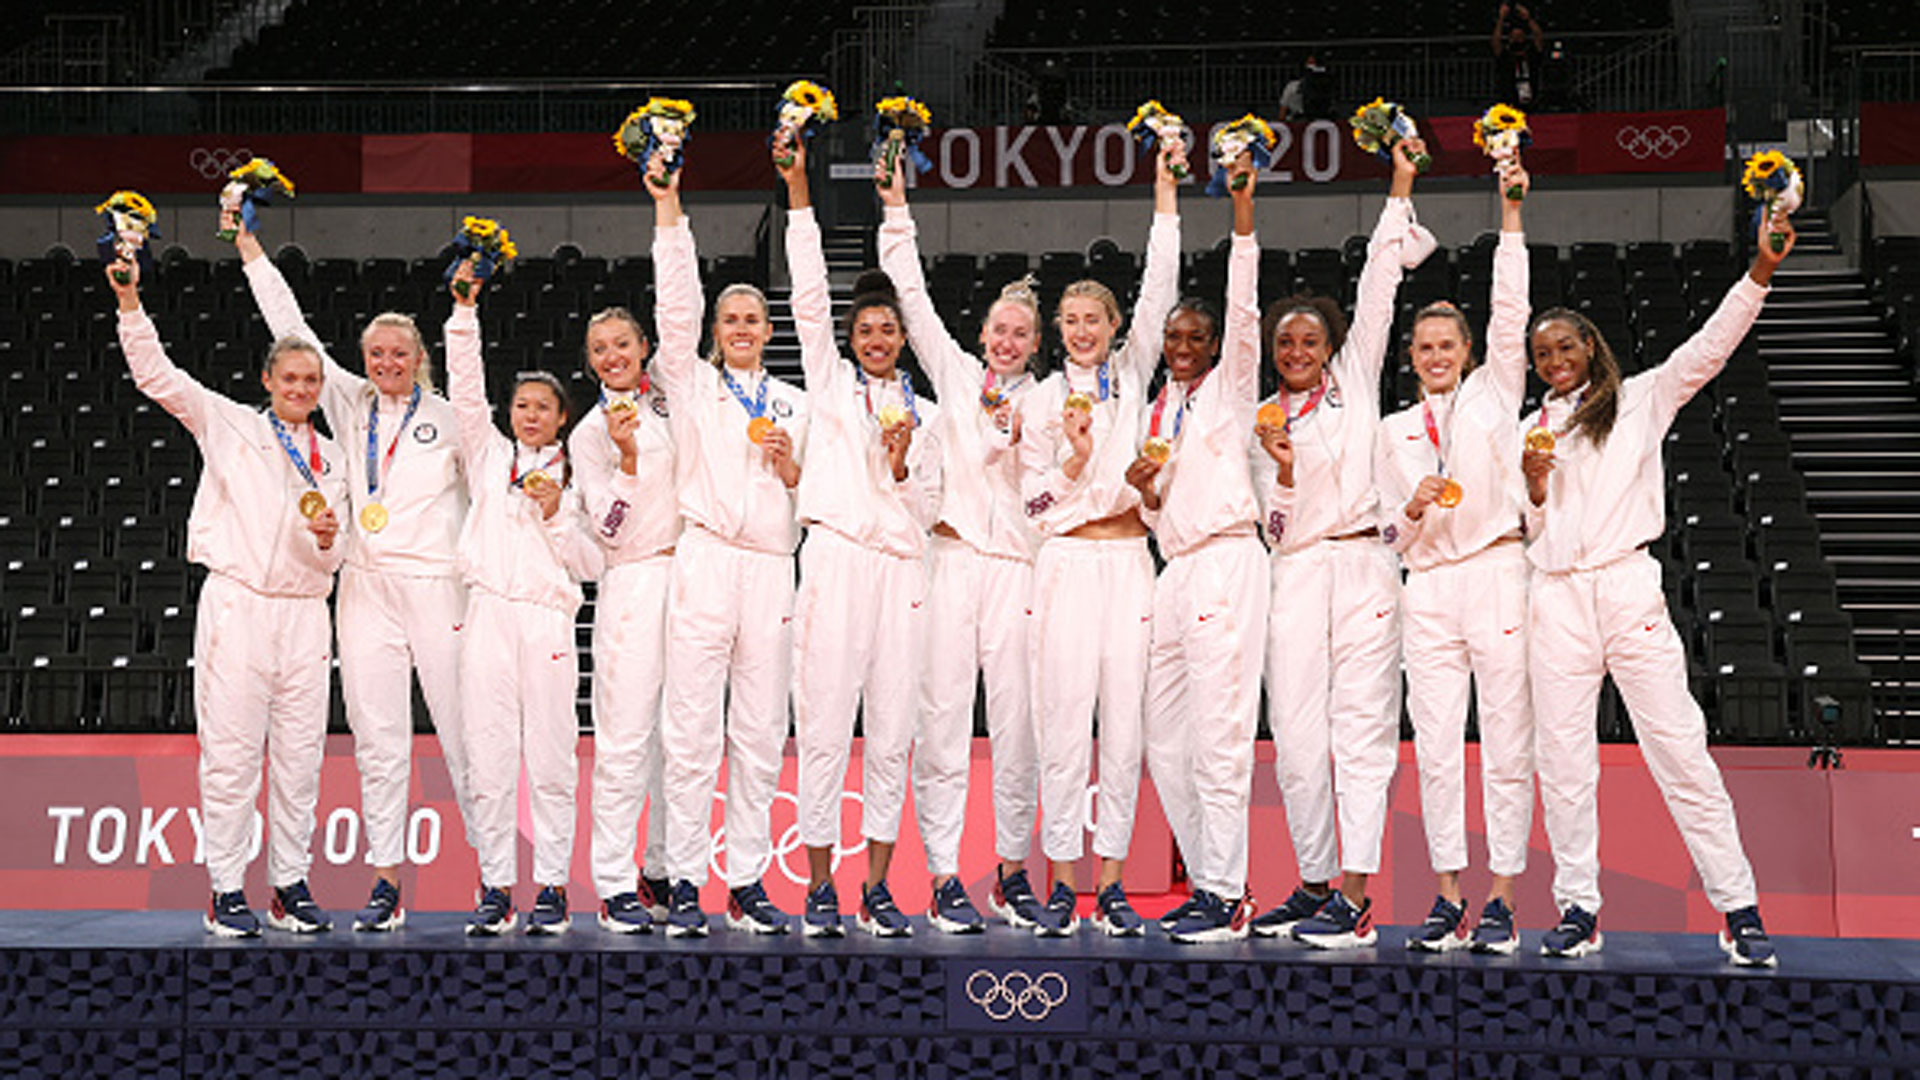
{"type": "Point", "coordinates": [1595, 492]}
{"type": "Point", "coordinates": [623, 460]}
{"type": "Point", "coordinates": [738, 432]}
{"type": "Point", "coordinates": [1080, 431]}
{"type": "Point", "coordinates": [1518, 45]}
{"type": "Point", "coordinates": [1308, 95]}
{"type": "Point", "coordinates": [1451, 495]}
{"type": "Point", "coordinates": [262, 638]}
{"type": "Point", "coordinates": [400, 590]}
{"type": "Point", "coordinates": [870, 493]}
{"type": "Point", "coordinates": [523, 550]}
{"type": "Point", "coordinates": [1210, 601]}
{"type": "Point", "coordinates": [981, 574]}
{"type": "Point", "coordinates": [1333, 638]}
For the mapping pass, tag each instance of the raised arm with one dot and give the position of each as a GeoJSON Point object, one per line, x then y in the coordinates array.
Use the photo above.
{"type": "Point", "coordinates": [678, 300]}
{"type": "Point", "coordinates": [1702, 356]}
{"type": "Point", "coordinates": [281, 309]}
{"type": "Point", "coordinates": [956, 374]}
{"type": "Point", "coordinates": [1365, 351]}
{"type": "Point", "coordinates": [1507, 326]}
{"type": "Point", "coordinates": [1240, 338]}
{"type": "Point", "coordinates": [467, 376]}
{"type": "Point", "coordinates": [153, 372]}
{"type": "Point", "coordinates": [1160, 284]}
{"type": "Point", "coordinates": [807, 265]}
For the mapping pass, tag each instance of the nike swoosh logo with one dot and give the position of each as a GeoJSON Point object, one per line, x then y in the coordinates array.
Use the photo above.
{"type": "Point", "coordinates": [1208, 615]}
{"type": "Point", "coordinates": [457, 626]}
{"type": "Point", "coordinates": [1650, 627]}
{"type": "Point", "coordinates": [916, 605]}
{"type": "Point", "coordinates": [1511, 630]}
{"type": "Point", "coordinates": [1383, 613]}
{"type": "Point", "coordinates": [559, 656]}
{"type": "Point", "coordinates": [1413, 438]}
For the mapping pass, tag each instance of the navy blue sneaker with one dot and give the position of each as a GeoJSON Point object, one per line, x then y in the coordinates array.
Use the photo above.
{"type": "Point", "coordinates": [1298, 908]}
{"type": "Point", "coordinates": [684, 917]}
{"type": "Point", "coordinates": [879, 915]}
{"type": "Point", "coordinates": [1577, 935]}
{"type": "Point", "coordinates": [493, 915]}
{"type": "Point", "coordinates": [1058, 918]}
{"type": "Point", "coordinates": [1444, 930]}
{"type": "Point", "coordinates": [623, 913]}
{"type": "Point", "coordinates": [656, 895]}
{"type": "Point", "coordinates": [1209, 918]}
{"type": "Point", "coordinates": [1745, 940]}
{"type": "Point", "coordinates": [1496, 936]}
{"type": "Point", "coordinates": [383, 911]}
{"type": "Point", "coordinates": [749, 909]}
{"type": "Point", "coordinates": [822, 918]}
{"type": "Point", "coordinates": [1013, 900]}
{"type": "Point", "coordinates": [1339, 925]}
{"type": "Point", "coordinates": [1180, 911]}
{"type": "Point", "coordinates": [229, 916]}
{"type": "Point", "coordinates": [549, 914]}
{"type": "Point", "coordinates": [294, 911]}
{"type": "Point", "coordinates": [952, 911]}
{"type": "Point", "coordinates": [1113, 916]}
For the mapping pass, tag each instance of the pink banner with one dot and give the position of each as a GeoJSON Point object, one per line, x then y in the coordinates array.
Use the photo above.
{"type": "Point", "coordinates": [113, 822]}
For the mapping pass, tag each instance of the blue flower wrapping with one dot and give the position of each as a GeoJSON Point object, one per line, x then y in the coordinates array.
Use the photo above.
{"type": "Point", "coordinates": [1217, 182]}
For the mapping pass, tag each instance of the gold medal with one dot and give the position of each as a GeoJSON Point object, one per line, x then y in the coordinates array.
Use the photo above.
{"type": "Point", "coordinates": [991, 398]}
{"type": "Point", "coordinates": [1077, 400]}
{"type": "Point", "coordinates": [621, 406]}
{"type": "Point", "coordinates": [891, 416]}
{"type": "Point", "coordinates": [757, 429]}
{"type": "Point", "coordinates": [1450, 495]}
{"type": "Point", "coordinates": [536, 479]}
{"type": "Point", "coordinates": [373, 517]}
{"type": "Point", "coordinates": [311, 504]}
{"type": "Point", "coordinates": [1272, 414]}
{"type": "Point", "coordinates": [1156, 450]}
{"type": "Point", "coordinates": [1541, 439]}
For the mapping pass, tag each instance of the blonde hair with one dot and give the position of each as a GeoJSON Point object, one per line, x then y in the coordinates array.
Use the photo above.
{"type": "Point", "coordinates": [616, 313]}
{"type": "Point", "coordinates": [1089, 289]}
{"type": "Point", "coordinates": [283, 345]}
{"type": "Point", "coordinates": [423, 368]}
{"type": "Point", "coordinates": [1021, 293]}
{"type": "Point", "coordinates": [716, 356]}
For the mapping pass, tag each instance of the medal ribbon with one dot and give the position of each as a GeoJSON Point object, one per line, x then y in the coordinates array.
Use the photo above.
{"type": "Point", "coordinates": [516, 479]}
{"type": "Point", "coordinates": [1313, 402]}
{"type": "Point", "coordinates": [906, 392]}
{"type": "Point", "coordinates": [1542, 422]}
{"type": "Point", "coordinates": [1433, 436]}
{"type": "Point", "coordinates": [1103, 386]}
{"type": "Point", "coordinates": [377, 468]}
{"type": "Point", "coordinates": [992, 399]}
{"type": "Point", "coordinates": [756, 407]}
{"type": "Point", "coordinates": [639, 392]}
{"type": "Point", "coordinates": [1180, 414]}
{"type": "Point", "coordinates": [307, 471]}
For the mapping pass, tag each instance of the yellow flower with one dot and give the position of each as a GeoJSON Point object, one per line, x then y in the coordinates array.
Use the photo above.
{"type": "Point", "coordinates": [671, 108]}
{"type": "Point", "coordinates": [904, 111]}
{"type": "Point", "coordinates": [1506, 117]}
{"type": "Point", "coordinates": [479, 228]}
{"type": "Point", "coordinates": [1146, 112]}
{"type": "Point", "coordinates": [815, 97]}
{"type": "Point", "coordinates": [1760, 169]}
{"type": "Point", "coordinates": [129, 202]}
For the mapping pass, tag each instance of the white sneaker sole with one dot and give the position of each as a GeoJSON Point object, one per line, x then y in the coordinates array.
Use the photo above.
{"type": "Point", "coordinates": [1496, 948]}
{"type": "Point", "coordinates": [1011, 916]}
{"type": "Point", "coordinates": [752, 927]}
{"type": "Point", "coordinates": [220, 929]}
{"type": "Point", "coordinates": [1113, 929]}
{"type": "Point", "coordinates": [878, 929]}
{"type": "Point", "coordinates": [687, 931]}
{"type": "Point", "coordinates": [1210, 935]}
{"type": "Point", "coordinates": [1576, 951]}
{"type": "Point", "coordinates": [1446, 943]}
{"type": "Point", "coordinates": [505, 926]}
{"type": "Point", "coordinates": [549, 929]}
{"type": "Point", "coordinates": [1276, 930]}
{"type": "Point", "coordinates": [614, 926]}
{"type": "Point", "coordinates": [392, 922]}
{"type": "Point", "coordinates": [954, 926]}
{"type": "Point", "coordinates": [1072, 928]}
{"type": "Point", "coordinates": [289, 925]}
{"type": "Point", "coordinates": [1733, 954]}
{"type": "Point", "coordinates": [1339, 941]}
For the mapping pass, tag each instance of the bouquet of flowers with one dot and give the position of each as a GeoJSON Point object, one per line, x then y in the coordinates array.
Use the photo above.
{"type": "Point", "coordinates": [803, 108]}
{"type": "Point", "coordinates": [899, 123]}
{"type": "Point", "coordinates": [1380, 125]}
{"type": "Point", "coordinates": [1152, 124]}
{"type": "Point", "coordinates": [130, 221]}
{"type": "Point", "coordinates": [1247, 134]}
{"type": "Point", "coordinates": [1501, 134]}
{"type": "Point", "coordinates": [660, 125]}
{"type": "Point", "coordinates": [483, 244]}
{"type": "Point", "coordinates": [248, 188]}
{"type": "Point", "coordinates": [1773, 180]}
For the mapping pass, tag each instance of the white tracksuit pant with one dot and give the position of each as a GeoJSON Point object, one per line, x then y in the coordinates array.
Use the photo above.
{"type": "Point", "coordinates": [1203, 703]}
{"type": "Point", "coordinates": [976, 628]}
{"type": "Point", "coordinates": [1589, 623]}
{"type": "Point", "coordinates": [1092, 611]}
{"type": "Point", "coordinates": [858, 623]}
{"type": "Point", "coordinates": [728, 639]}
{"type": "Point", "coordinates": [629, 673]}
{"type": "Point", "coordinates": [519, 674]}
{"type": "Point", "coordinates": [1461, 622]}
{"type": "Point", "coordinates": [391, 625]}
{"type": "Point", "coordinates": [259, 694]}
{"type": "Point", "coordinates": [1333, 690]}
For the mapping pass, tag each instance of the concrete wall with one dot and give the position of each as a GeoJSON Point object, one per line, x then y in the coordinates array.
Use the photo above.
{"type": "Point", "coordinates": [334, 227]}
{"type": "Point", "coordinates": [1896, 207]}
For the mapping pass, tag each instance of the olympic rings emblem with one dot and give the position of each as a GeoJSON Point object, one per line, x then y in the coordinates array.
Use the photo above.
{"type": "Point", "coordinates": [1653, 140]}
{"type": "Point", "coordinates": [1031, 998]}
{"type": "Point", "coordinates": [216, 162]}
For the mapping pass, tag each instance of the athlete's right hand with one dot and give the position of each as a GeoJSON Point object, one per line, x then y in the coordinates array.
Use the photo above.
{"type": "Point", "coordinates": [128, 292]}
{"type": "Point", "coordinates": [1537, 465]}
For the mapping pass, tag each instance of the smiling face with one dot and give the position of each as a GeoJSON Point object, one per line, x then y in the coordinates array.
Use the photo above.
{"type": "Point", "coordinates": [1301, 350]}
{"type": "Point", "coordinates": [877, 338]}
{"type": "Point", "coordinates": [1190, 345]}
{"type": "Point", "coordinates": [1010, 337]}
{"type": "Point", "coordinates": [1087, 329]}
{"type": "Point", "coordinates": [741, 329]}
{"type": "Point", "coordinates": [538, 414]}
{"type": "Point", "coordinates": [1439, 353]}
{"type": "Point", "coordinates": [617, 352]}
{"type": "Point", "coordinates": [293, 379]}
{"type": "Point", "coordinates": [1562, 355]}
{"type": "Point", "coordinates": [391, 353]}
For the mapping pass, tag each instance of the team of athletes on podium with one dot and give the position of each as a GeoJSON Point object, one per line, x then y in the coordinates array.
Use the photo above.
{"type": "Point", "coordinates": [990, 526]}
